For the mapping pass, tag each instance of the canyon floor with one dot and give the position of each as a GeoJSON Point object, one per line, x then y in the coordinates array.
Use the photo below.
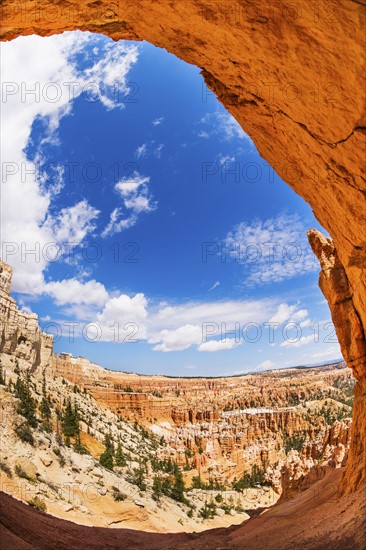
{"type": "Point", "coordinates": [132, 461]}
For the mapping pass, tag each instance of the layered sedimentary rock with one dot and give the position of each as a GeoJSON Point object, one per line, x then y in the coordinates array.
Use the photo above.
{"type": "Point", "coordinates": [334, 283]}
{"type": "Point", "coordinates": [219, 426]}
{"type": "Point", "coordinates": [20, 334]}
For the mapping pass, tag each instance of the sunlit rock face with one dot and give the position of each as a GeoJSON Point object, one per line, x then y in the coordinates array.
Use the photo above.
{"type": "Point", "coordinates": [20, 334]}
{"type": "Point", "coordinates": [292, 75]}
{"type": "Point", "coordinates": [336, 288]}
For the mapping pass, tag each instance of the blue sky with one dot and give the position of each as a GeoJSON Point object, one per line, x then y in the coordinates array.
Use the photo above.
{"type": "Point", "coordinates": [149, 211]}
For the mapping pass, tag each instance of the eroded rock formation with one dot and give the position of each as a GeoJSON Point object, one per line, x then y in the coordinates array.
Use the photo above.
{"type": "Point", "coordinates": [293, 76]}
{"type": "Point", "coordinates": [336, 288]}
{"type": "Point", "coordinates": [20, 335]}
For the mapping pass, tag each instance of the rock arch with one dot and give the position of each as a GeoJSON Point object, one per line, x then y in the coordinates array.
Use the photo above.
{"type": "Point", "coordinates": [291, 73]}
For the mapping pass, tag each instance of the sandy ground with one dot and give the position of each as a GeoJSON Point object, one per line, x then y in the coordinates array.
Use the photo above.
{"type": "Point", "coordinates": [315, 520]}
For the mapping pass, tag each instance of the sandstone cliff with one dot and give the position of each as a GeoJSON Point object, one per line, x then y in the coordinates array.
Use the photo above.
{"type": "Point", "coordinates": [20, 335]}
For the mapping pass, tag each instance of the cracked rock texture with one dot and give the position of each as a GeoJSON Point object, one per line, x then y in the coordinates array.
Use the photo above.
{"type": "Point", "coordinates": [292, 74]}
{"type": "Point", "coordinates": [20, 334]}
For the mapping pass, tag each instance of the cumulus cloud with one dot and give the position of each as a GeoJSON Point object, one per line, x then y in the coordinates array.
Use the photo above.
{"type": "Point", "coordinates": [127, 315]}
{"type": "Point", "coordinates": [178, 339]}
{"type": "Point", "coordinates": [72, 224]}
{"type": "Point", "coordinates": [272, 250]}
{"type": "Point", "coordinates": [46, 91]}
{"type": "Point", "coordinates": [72, 291]}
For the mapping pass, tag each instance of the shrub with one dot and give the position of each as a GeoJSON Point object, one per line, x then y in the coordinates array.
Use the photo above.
{"type": "Point", "coordinates": [24, 433]}
{"type": "Point", "coordinates": [79, 448]}
{"type": "Point", "coordinates": [6, 469]}
{"type": "Point", "coordinates": [208, 511]}
{"type": "Point", "coordinates": [22, 474]}
{"type": "Point", "coordinates": [38, 504]}
{"type": "Point", "coordinates": [118, 496]}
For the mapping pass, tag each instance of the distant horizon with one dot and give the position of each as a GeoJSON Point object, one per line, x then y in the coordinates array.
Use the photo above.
{"type": "Point", "coordinates": [299, 367]}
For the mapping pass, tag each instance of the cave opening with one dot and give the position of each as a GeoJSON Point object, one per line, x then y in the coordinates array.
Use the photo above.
{"type": "Point", "coordinates": [323, 215]}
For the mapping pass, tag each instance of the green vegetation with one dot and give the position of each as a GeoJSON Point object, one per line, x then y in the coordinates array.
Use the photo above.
{"type": "Point", "coordinates": [6, 469]}
{"type": "Point", "coordinates": [38, 504]}
{"type": "Point", "coordinates": [331, 415]}
{"type": "Point", "coordinates": [211, 485]}
{"type": "Point", "coordinates": [27, 404]}
{"type": "Point", "coordinates": [208, 511]}
{"type": "Point", "coordinates": [117, 495]}
{"type": "Point", "coordinates": [22, 474]}
{"type": "Point", "coordinates": [106, 458]}
{"type": "Point", "coordinates": [45, 407]}
{"type": "Point", "coordinates": [251, 480]}
{"type": "Point", "coordinates": [137, 477]}
{"type": "Point", "coordinates": [24, 433]}
{"type": "Point", "coordinates": [157, 488]}
{"type": "Point", "coordinates": [2, 375]}
{"type": "Point", "coordinates": [120, 459]}
{"type": "Point", "coordinates": [70, 422]}
{"type": "Point", "coordinates": [294, 442]}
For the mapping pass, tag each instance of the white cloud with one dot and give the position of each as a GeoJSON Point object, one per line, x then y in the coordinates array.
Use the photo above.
{"type": "Point", "coordinates": [149, 149]}
{"type": "Point", "coordinates": [72, 291]}
{"type": "Point", "coordinates": [136, 199]}
{"type": "Point", "coordinates": [215, 285]}
{"type": "Point", "coordinates": [266, 365]}
{"type": "Point", "coordinates": [141, 150]}
{"type": "Point", "coordinates": [283, 313]}
{"type": "Point", "coordinates": [203, 134]}
{"type": "Point", "coordinates": [72, 224]}
{"type": "Point", "coordinates": [123, 313]}
{"type": "Point", "coordinates": [271, 251]}
{"type": "Point", "coordinates": [29, 193]}
{"type": "Point", "coordinates": [223, 125]}
{"type": "Point", "coordinates": [157, 121]}
{"type": "Point", "coordinates": [218, 345]}
{"type": "Point", "coordinates": [129, 186]}
{"type": "Point", "coordinates": [226, 159]}
{"type": "Point", "coordinates": [178, 339]}
{"type": "Point", "coordinates": [295, 342]}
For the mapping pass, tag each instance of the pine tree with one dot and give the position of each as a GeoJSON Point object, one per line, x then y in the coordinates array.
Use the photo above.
{"type": "Point", "coordinates": [70, 422]}
{"type": "Point", "coordinates": [157, 488]}
{"type": "Point", "coordinates": [2, 376]}
{"type": "Point", "coordinates": [120, 459]}
{"type": "Point", "coordinates": [45, 408]}
{"type": "Point", "coordinates": [27, 405]}
{"type": "Point", "coordinates": [177, 492]}
{"type": "Point", "coordinates": [106, 458]}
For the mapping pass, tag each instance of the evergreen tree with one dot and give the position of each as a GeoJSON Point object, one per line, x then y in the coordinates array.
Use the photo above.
{"type": "Point", "coordinates": [45, 408]}
{"type": "Point", "coordinates": [70, 422]}
{"type": "Point", "coordinates": [177, 492]}
{"type": "Point", "coordinates": [106, 458]}
{"type": "Point", "coordinates": [120, 459]}
{"type": "Point", "coordinates": [157, 488]}
{"type": "Point", "coordinates": [139, 477]}
{"type": "Point", "coordinates": [2, 376]}
{"type": "Point", "coordinates": [27, 405]}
